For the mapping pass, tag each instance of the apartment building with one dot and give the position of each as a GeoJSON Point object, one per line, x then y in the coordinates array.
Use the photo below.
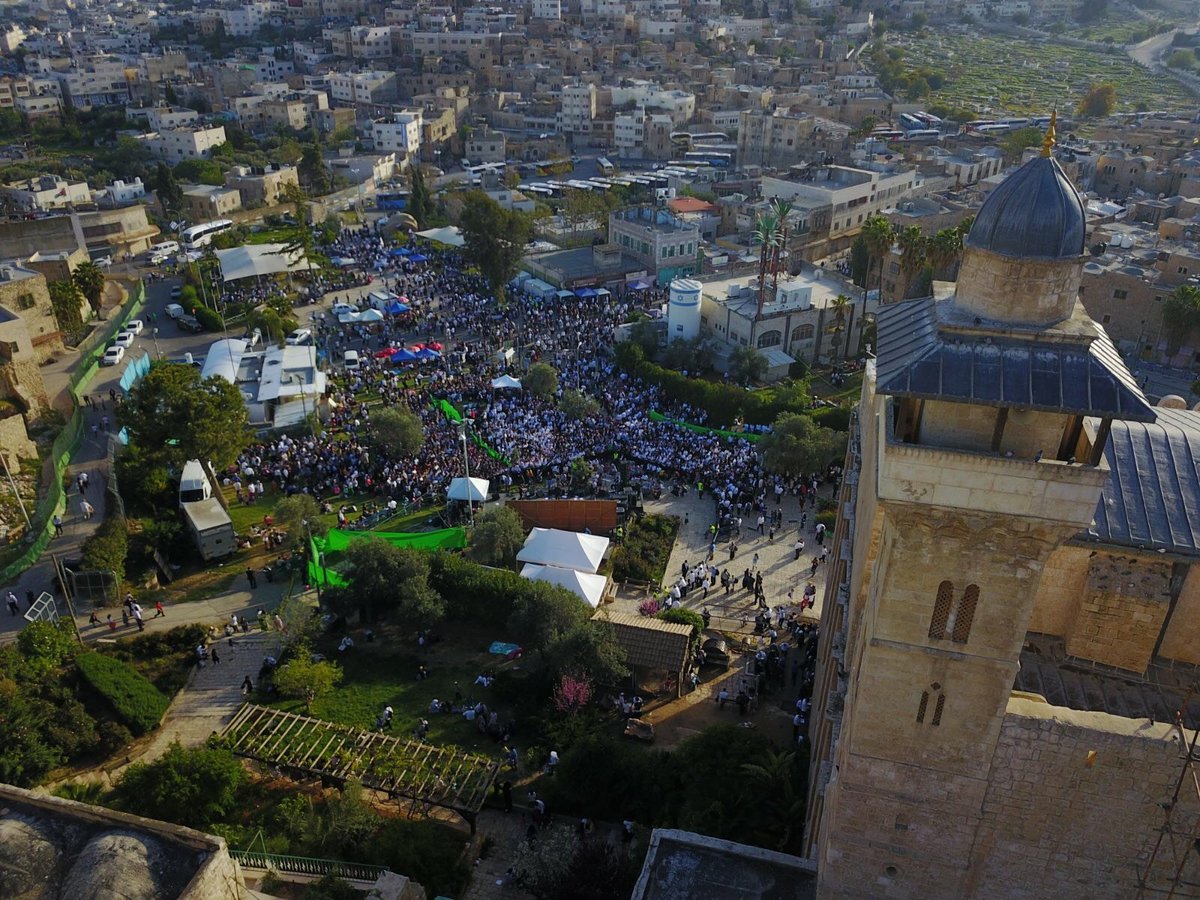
{"type": "Point", "coordinates": [398, 133]}
{"type": "Point", "coordinates": [244, 19]}
{"type": "Point", "coordinates": [178, 144]}
{"type": "Point", "coordinates": [679, 105]}
{"type": "Point", "coordinates": [360, 41]}
{"type": "Point", "coordinates": [486, 145]}
{"type": "Point", "coordinates": [372, 88]}
{"type": "Point", "coordinates": [96, 81]}
{"type": "Point", "coordinates": [259, 186]}
{"type": "Point", "coordinates": [547, 9]}
{"type": "Point", "coordinates": [579, 105]}
{"type": "Point", "coordinates": [46, 193]}
{"type": "Point", "coordinates": [206, 202]}
{"type": "Point", "coordinates": [166, 118]}
{"type": "Point", "coordinates": [640, 135]}
{"type": "Point", "coordinates": [853, 194]}
{"type": "Point", "coordinates": [121, 193]}
{"type": "Point", "coordinates": [668, 246]}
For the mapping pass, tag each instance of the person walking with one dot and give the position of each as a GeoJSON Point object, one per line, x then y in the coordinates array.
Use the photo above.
{"type": "Point", "coordinates": [247, 687]}
{"type": "Point", "coordinates": [159, 612]}
{"type": "Point", "coordinates": [86, 509]}
{"type": "Point", "coordinates": [14, 605]}
{"type": "Point", "coordinates": [252, 578]}
{"type": "Point", "coordinates": [58, 525]}
{"type": "Point", "coordinates": [137, 616]}
{"type": "Point", "coordinates": [213, 655]}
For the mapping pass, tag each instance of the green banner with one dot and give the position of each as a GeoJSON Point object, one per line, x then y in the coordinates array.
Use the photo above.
{"type": "Point", "coordinates": [700, 429]}
{"type": "Point", "coordinates": [335, 541]}
{"type": "Point", "coordinates": [450, 412]}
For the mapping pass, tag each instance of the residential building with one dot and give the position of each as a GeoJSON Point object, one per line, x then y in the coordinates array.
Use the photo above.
{"type": "Point", "coordinates": [166, 118]}
{"type": "Point", "coordinates": [362, 88]}
{"type": "Point", "coordinates": [853, 194]}
{"type": "Point", "coordinates": [372, 169]}
{"type": "Point", "coordinates": [95, 81]}
{"type": "Point", "coordinates": [547, 9]}
{"type": "Point", "coordinates": [121, 193]}
{"type": "Point", "coordinates": [667, 246]}
{"type": "Point", "coordinates": [399, 133]}
{"type": "Point", "coordinates": [258, 186]}
{"type": "Point", "coordinates": [24, 293]}
{"type": "Point", "coordinates": [176, 145]}
{"type": "Point", "coordinates": [244, 19]}
{"type": "Point", "coordinates": [46, 193]}
{"type": "Point", "coordinates": [485, 145]}
{"type": "Point", "coordinates": [579, 105]}
{"type": "Point", "coordinates": [205, 202]}
{"type": "Point", "coordinates": [640, 135]}
{"type": "Point", "coordinates": [360, 41]}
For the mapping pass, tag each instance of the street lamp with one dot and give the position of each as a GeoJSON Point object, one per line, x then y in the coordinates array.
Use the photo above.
{"type": "Point", "coordinates": [462, 436]}
{"type": "Point", "coordinates": [157, 352]}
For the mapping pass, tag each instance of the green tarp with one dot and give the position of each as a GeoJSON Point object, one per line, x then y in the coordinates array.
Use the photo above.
{"type": "Point", "coordinates": [450, 412]}
{"type": "Point", "coordinates": [336, 541]}
{"type": "Point", "coordinates": [700, 429]}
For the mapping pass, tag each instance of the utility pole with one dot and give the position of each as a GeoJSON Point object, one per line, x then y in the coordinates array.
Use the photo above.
{"type": "Point", "coordinates": [462, 433]}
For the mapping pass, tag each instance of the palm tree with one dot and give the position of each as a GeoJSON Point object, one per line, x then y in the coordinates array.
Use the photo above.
{"type": "Point", "coordinates": [89, 278]}
{"type": "Point", "coordinates": [841, 305]}
{"type": "Point", "coordinates": [944, 251]}
{"type": "Point", "coordinates": [781, 777]}
{"type": "Point", "coordinates": [912, 243]}
{"type": "Point", "coordinates": [879, 235]}
{"type": "Point", "coordinates": [766, 233]}
{"type": "Point", "coordinates": [780, 209]}
{"type": "Point", "coordinates": [1181, 315]}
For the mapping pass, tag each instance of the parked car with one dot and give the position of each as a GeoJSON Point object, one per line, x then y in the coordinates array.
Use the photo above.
{"type": "Point", "coordinates": [174, 310]}
{"type": "Point", "coordinates": [189, 323]}
{"type": "Point", "coordinates": [124, 339]}
{"type": "Point", "coordinates": [103, 262]}
{"type": "Point", "coordinates": [343, 309]}
{"type": "Point", "coordinates": [301, 337]}
{"type": "Point", "coordinates": [135, 325]}
{"type": "Point", "coordinates": [176, 292]}
{"type": "Point", "coordinates": [113, 355]}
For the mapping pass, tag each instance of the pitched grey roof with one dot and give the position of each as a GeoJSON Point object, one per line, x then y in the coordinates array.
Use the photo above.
{"type": "Point", "coordinates": [1152, 498]}
{"type": "Point", "coordinates": [1034, 213]}
{"type": "Point", "coordinates": [649, 642]}
{"type": "Point", "coordinates": [916, 359]}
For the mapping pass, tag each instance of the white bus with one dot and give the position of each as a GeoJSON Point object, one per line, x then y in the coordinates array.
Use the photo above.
{"type": "Point", "coordinates": [201, 235]}
{"type": "Point", "coordinates": [605, 167]}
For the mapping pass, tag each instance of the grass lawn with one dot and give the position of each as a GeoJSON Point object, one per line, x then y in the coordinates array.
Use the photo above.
{"type": "Point", "coordinates": [384, 673]}
{"type": "Point", "coordinates": [245, 516]}
{"type": "Point", "coordinates": [849, 389]}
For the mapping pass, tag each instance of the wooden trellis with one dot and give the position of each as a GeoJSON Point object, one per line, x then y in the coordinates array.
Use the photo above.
{"type": "Point", "coordinates": [424, 773]}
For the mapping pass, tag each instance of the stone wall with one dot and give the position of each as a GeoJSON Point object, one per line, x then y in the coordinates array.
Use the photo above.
{"type": "Point", "coordinates": [1182, 640]}
{"type": "Point", "coordinates": [1121, 612]}
{"type": "Point", "coordinates": [1061, 587]}
{"type": "Point", "coordinates": [29, 298]}
{"type": "Point", "coordinates": [987, 286]}
{"type": "Point", "coordinates": [1059, 821]}
{"type": "Point", "coordinates": [15, 443]}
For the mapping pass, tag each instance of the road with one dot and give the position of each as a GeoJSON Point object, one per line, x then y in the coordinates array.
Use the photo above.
{"type": "Point", "coordinates": [1149, 52]}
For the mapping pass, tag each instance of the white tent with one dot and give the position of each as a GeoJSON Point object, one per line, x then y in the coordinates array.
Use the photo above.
{"type": "Point", "coordinates": [505, 382]}
{"type": "Point", "coordinates": [589, 588]}
{"type": "Point", "coordinates": [259, 259]}
{"type": "Point", "coordinates": [448, 235]}
{"type": "Point", "coordinates": [565, 549]}
{"type": "Point", "coordinates": [474, 489]}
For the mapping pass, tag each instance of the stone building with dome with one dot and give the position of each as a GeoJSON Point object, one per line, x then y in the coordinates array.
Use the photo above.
{"type": "Point", "coordinates": [1004, 692]}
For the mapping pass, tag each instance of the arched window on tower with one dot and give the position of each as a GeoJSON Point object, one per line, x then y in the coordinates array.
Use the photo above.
{"type": "Point", "coordinates": [770, 339]}
{"type": "Point", "coordinates": [803, 333]}
{"type": "Point", "coordinates": [941, 610]}
{"type": "Point", "coordinates": [953, 619]}
{"type": "Point", "coordinates": [934, 694]}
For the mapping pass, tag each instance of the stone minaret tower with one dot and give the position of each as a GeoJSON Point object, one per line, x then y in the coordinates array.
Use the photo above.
{"type": "Point", "coordinates": [978, 449]}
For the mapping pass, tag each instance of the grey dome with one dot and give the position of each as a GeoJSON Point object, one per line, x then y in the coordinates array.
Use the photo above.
{"type": "Point", "coordinates": [1035, 213]}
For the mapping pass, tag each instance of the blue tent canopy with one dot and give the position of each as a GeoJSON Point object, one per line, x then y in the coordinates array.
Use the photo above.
{"type": "Point", "coordinates": [426, 353]}
{"type": "Point", "coordinates": [640, 285]}
{"type": "Point", "coordinates": [417, 257]}
{"type": "Point", "coordinates": [396, 307]}
{"type": "Point", "coordinates": [399, 251]}
{"type": "Point", "coordinates": [586, 293]}
{"type": "Point", "coordinates": [403, 355]}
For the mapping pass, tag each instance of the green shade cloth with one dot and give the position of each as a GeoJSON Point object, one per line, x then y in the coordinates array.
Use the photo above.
{"type": "Point", "coordinates": [336, 541]}
{"type": "Point", "coordinates": [700, 429]}
{"type": "Point", "coordinates": [450, 412]}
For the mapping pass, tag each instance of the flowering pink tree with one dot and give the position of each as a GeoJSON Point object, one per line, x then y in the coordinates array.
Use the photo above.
{"type": "Point", "coordinates": [572, 693]}
{"type": "Point", "coordinates": [649, 607]}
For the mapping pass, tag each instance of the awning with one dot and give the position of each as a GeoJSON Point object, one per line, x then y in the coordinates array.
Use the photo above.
{"type": "Point", "coordinates": [505, 382]}
{"type": "Point", "coordinates": [565, 295]}
{"type": "Point", "coordinates": [396, 308]}
{"type": "Point", "coordinates": [399, 251]}
{"type": "Point", "coordinates": [427, 353]}
{"type": "Point", "coordinates": [587, 293]}
{"type": "Point", "coordinates": [417, 257]}
{"type": "Point", "coordinates": [640, 285]}
{"type": "Point", "coordinates": [448, 235]}
{"type": "Point", "coordinates": [403, 355]}
{"type": "Point", "coordinates": [259, 259]}
{"type": "Point", "coordinates": [473, 489]}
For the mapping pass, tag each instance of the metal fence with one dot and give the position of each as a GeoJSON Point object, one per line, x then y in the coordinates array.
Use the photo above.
{"type": "Point", "coordinates": [302, 865]}
{"type": "Point", "coordinates": [92, 349]}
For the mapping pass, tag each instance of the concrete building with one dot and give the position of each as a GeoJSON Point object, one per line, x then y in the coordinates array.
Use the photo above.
{"type": "Point", "coordinates": [667, 246]}
{"type": "Point", "coordinates": [486, 145]}
{"type": "Point", "coordinates": [176, 145]}
{"type": "Point", "coordinates": [24, 294]}
{"type": "Point", "coordinates": [165, 118]}
{"type": "Point", "coordinates": [992, 577]}
{"type": "Point", "coordinates": [362, 88]}
{"type": "Point", "coordinates": [206, 202]}
{"type": "Point", "coordinates": [579, 106]}
{"type": "Point", "coordinates": [642, 135]}
{"type": "Point", "coordinates": [261, 186]}
{"type": "Point", "coordinates": [121, 193]}
{"type": "Point", "coordinates": [547, 9]}
{"type": "Point", "coordinates": [781, 138]}
{"type": "Point", "coordinates": [854, 195]}
{"type": "Point", "coordinates": [399, 133]}
{"type": "Point", "coordinates": [46, 193]}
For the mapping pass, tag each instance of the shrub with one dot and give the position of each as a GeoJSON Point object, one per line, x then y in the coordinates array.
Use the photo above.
{"type": "Point", "coordinates": [138, 702]}
{"type": "Point", "coordinates": [645, 550]}
{"type": "Point", "coordinates": [46, 644]}
{"type": "Point", "coordinates": [195, 787]}
{"type": "Point", "coordinates": [648, 607]}
{"type": "Point", "coordinates": [835, 417]}
{"type": "Point", "coordinates": [210, 319]}
{"type": "Point", "coordinates": [113, 736]}
{"type": "Point", "coordinates": [828, 518]}
{"type": "Point", "coordinates": [107, 547]}
{"type": "Point", "coordinates": [680, 616]}
{"type": "Point", "coordinates": [427, 852]}
{"type": "Point", "coordinates": [475, 592]}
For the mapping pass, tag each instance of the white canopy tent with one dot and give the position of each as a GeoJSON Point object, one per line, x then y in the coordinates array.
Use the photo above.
{"type": "Point", "coordinates": [505, 382]}
{"type": "Point", "coordinates": [565, 549]}
{"type": "Point", "coordinates": [448, 235]}
{"type": "Point", "coordinates": [589, 588]}
{"type": "Point", "coordinates": [473, 489]}
{"type": "Point", "coordinates": [259, 259]}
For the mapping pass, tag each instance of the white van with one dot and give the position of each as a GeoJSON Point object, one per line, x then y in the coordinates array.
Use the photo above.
{"type": "Point", "coordinates": [161, 253]}
{"type": "Point", "coordinates": [193, 483]}
{"type": "Point", "coordinates": [351, 360]}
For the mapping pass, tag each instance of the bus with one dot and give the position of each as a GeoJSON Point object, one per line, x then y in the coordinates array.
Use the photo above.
{"type": "Point", "coordinates": [995, 128]}
{"type": "Point", "coordinates": [923, 136]}
{"type": "Point", "coordinates": [201, 235]}
{"type": "Point", "coordinates": [605, 167]}
{"type": "Point", "coordinates": [538, 190]}
{"type": "Point", "coordinates": [718, 158]}
{"type": "Point", "coordinates": [887, 134]}
{"type": "Point", "coordinates": [397, 200]}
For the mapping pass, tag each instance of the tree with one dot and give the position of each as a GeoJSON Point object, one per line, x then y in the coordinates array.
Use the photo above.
{"type": "Point", "coordinates": [644, 333]}
{"type": "Point", "coordinates": [419, 204]}
{"type": "Point", "coordinates": [779, 778]}
{"type": "Point", "coordinates": [1017, 142]}
{"type": "Point", "coordinates": [66, 302]}
{"type": "Point", "coordinates": [541, 380]}
{"type": "Point", "coordinates": [298, 515]}
{"type": "Point", "coordinates": [303, 678]}
{"type": "Point", "coordinates": [912, 243]}
{"type": "Point", "coordinates": [747, 365]}
{"type": "Point", "coordinates": [577, 405]}
{"type": "Point", "coordinates": [691, 356]}
{"type": "Point", "coordinates": [89, 278]}
{"type": "Point", "coordinates": [312, 170]}
{"type": "Point", "coordinates": [1182, 59]}
{"type": "Point", "coordinates": [299, 241]}
{"type": "Point", "coordinates": [497, 537]}
{"type": "Point", "coordinates": [173, 416]}
{"type": "Point", "coordinates": [878, 233]}
{"type": "Point", "coordinates": [860, 261]}
{"type": "Point", "coordinates": [398, 431]}
{"type": "Point", "coordinates": [944, 251]}
{"type": "Point", "coordinates": [495, 239]}
{"type": "Point", "coordinates": [274, 325]}
{"type": "Point", "coordinates": [1181, 315]}
{"type": "Point", "coordinates": [545, 614]}
{"type": "Point", "coordinates": [797, 445]}
{"type": "Point", "coordinates": [167, 189]}
{"type": "Point", "coordinates": [387, 580]}
{"type": "Point", "coordinates": [203, 171]}
{"type": "Point", "coordinates": [1099, 101]}
{"type": "Point", "coordinates": [196, 787]}
{"type": "Point", "coordinates": [841, 306]}
{"type": "Point", "coordinates": [590, 650]}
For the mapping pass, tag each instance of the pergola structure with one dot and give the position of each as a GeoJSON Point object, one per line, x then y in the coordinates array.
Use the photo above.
{"type": "Point", "coordinates": [424, 773]}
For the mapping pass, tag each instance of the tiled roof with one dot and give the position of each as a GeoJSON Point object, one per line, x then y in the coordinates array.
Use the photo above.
{"type": "Point", "coordinates": [649, 642]}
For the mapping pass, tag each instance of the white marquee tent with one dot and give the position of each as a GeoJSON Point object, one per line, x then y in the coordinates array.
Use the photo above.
{"type": "Point", "coordinates": [448, 235]}
{"type": "Point", "coordinates": [565, 549]}
{"type": "Point", "coordinates": [259, 259]}
{"type": "Point", "coordinates": [589, 588]}
{"type": "Point", "coordinates": [474, 489]}
{"type": "Point", "coordinates": [505, 382]}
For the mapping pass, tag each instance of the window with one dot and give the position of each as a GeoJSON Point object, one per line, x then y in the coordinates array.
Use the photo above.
{"type": "Point", "coordinates": [1107, 319]}
{"type": "Point", "coordinates": [770, 339]}
{"type": "Point", "coordinates": [1120, 295]}
{"type": "Point", "coordinates": [939, 704]}
{"type": "Point", "coordinates": [25, 301]}
{"type": "Point", "coordinates": [952, 619]}
{"type": "Point", "coordinates": [802, 333]}
{"type": "Point", "coordinates": [1182, 270]}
